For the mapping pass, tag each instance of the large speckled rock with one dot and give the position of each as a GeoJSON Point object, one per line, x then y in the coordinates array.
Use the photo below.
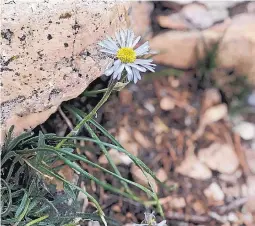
{"type": "Point", "coordinates": [50, 54]}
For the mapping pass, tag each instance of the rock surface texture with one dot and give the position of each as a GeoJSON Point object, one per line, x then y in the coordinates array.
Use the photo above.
{"type": "Point", "coordinates": [50, 54]}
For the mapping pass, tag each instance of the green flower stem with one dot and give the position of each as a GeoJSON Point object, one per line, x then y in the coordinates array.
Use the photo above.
{"type": "Point", "coordinates": [91, 114]}
{"type": "Point", "coordinates": [37, 220]}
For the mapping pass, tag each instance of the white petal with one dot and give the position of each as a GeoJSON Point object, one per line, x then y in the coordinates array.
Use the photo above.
{"type": "Point", "coordinates": [116, 67]}
{"type": "Point", "coordinates": [146, 44]}
{"type": "Point", "coordinates": [139, 68]}
{"type": "Point", "coordinates": [142, 53]}
{"type": "Point", "coordinates": [154, 52]}
{"type": "Point", "coordinates": [135, 79]}
{"type": "Point", "coordinates": [143, 61]}
{"type": "Point", "coordinates": [127, 32]}
{"type": "Point", "coordinates": [136, 41]}
{"type": "Point", "coordinates": [119, 76]}
{"type": "Point", "coordinates": [131, 38]}
{"type": "Point", "coordinates": [142, 49]}
{"type": "Point", "coordinates": [113, 66]}
{"type": "Point", "coordinates": [103, 45]}
{"type": "Point", "coordinates": [127, 37]}
{"type": "Point", "coordinates": [128, 69]}
{"type": "Point", "coordinates": [118, 71]}
{"type": "Point", "coordinates": [122, 35]}
{"type": "Point", "coordinates": [108, 51]}
{"type": "Point", "coordinates": [116, 64]}
{"type": "Point", "coordinates": [117, 35]}
{"type": "Point", "coordinates": [130, 77]}
{"type": "Point", "coordinates": [138, 76]}
{"type": "Point", "coordinates": [115, 75]}
{"type": "Point", "coordinates": [149, 68]}
{"type": "Point", "coordinates": [136, 73]}
{"type": "Point", "coordinates": [106, 44]}
{"type": "Point", "coordinates": [113, 43]}
{"type": "Point", "coordinates": [109, 65]}
{"type": "Point", "coordinates": [109, 71]}
{"type": "Point", "coordinates": [129, 73]}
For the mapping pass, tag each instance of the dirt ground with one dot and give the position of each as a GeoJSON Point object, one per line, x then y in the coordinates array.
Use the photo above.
{"type": "Point", "coordinates": [183, 134]}
{"type": "Point", "coordinates": [185, 131]}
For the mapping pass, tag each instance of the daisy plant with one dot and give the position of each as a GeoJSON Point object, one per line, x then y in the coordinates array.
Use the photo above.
{"type": "Point", "coordinates": [126, 58]}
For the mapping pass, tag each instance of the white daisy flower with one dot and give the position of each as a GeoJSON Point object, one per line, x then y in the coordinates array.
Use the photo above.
{"type": "Point", "coordinates": [126, 57]}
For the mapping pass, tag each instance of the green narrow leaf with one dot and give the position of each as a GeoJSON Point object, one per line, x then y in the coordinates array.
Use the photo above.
{"type": "Point", "coordinates": [7, 156]}
{"type": "Point", "coordinates": [41, 140]}
{"type": "Point", "coordinates": [11, 168]}
{"type": "Point", "coordinates": [9, 198]}
{"type": "Point", "coordinates": [22, 205]}
{"type": "Point", "coordinates": [105, 132]}
{"type": "Point", "coordinates": [18, 139]}
{"type": "Point", "coordinates": [10, 221]}
{"type": "Point", "coordinates": [8, 136]}
{"type": "Point", "coordinates": [32, 205]}
{"type": "Point", "coordinates": [40, 144]}
{"type": "Point", "coordinates": [34, 139]}
{"type": "Point", "coordinates": [24, 212]}
{"type": "Point", "coordinates": [32, 187]}
{"type": "Point", "coordinates": [18, 172]}
{"type": "Point", "coordinates": [36, 221]}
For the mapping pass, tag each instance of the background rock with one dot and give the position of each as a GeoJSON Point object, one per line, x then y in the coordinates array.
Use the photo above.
{"type": "Point", "coordinates": [173, 21]}
{"type": "Point", "coordinates": [220, 157]}
{"type": "Point", "coordinates": [183, 49]}
{"type": "Point", "coordinates": [50, 54]}
{"type": "Point", "coordinates": [214, 194]}
{"type": "Point", "coordinates": [246, 130]}
{"type": "Point", "coordinates": [197, 15]}
{"type": "Point", "coordinates": [116, 156]}
{"type": "Point", "coordinates": [193, 168]}
{"type": "Point", "coordinates": [140, 18]}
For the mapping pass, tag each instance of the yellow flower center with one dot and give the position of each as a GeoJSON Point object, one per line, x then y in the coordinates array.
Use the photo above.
{"type": "Point", "coordinates": [126, 55]}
